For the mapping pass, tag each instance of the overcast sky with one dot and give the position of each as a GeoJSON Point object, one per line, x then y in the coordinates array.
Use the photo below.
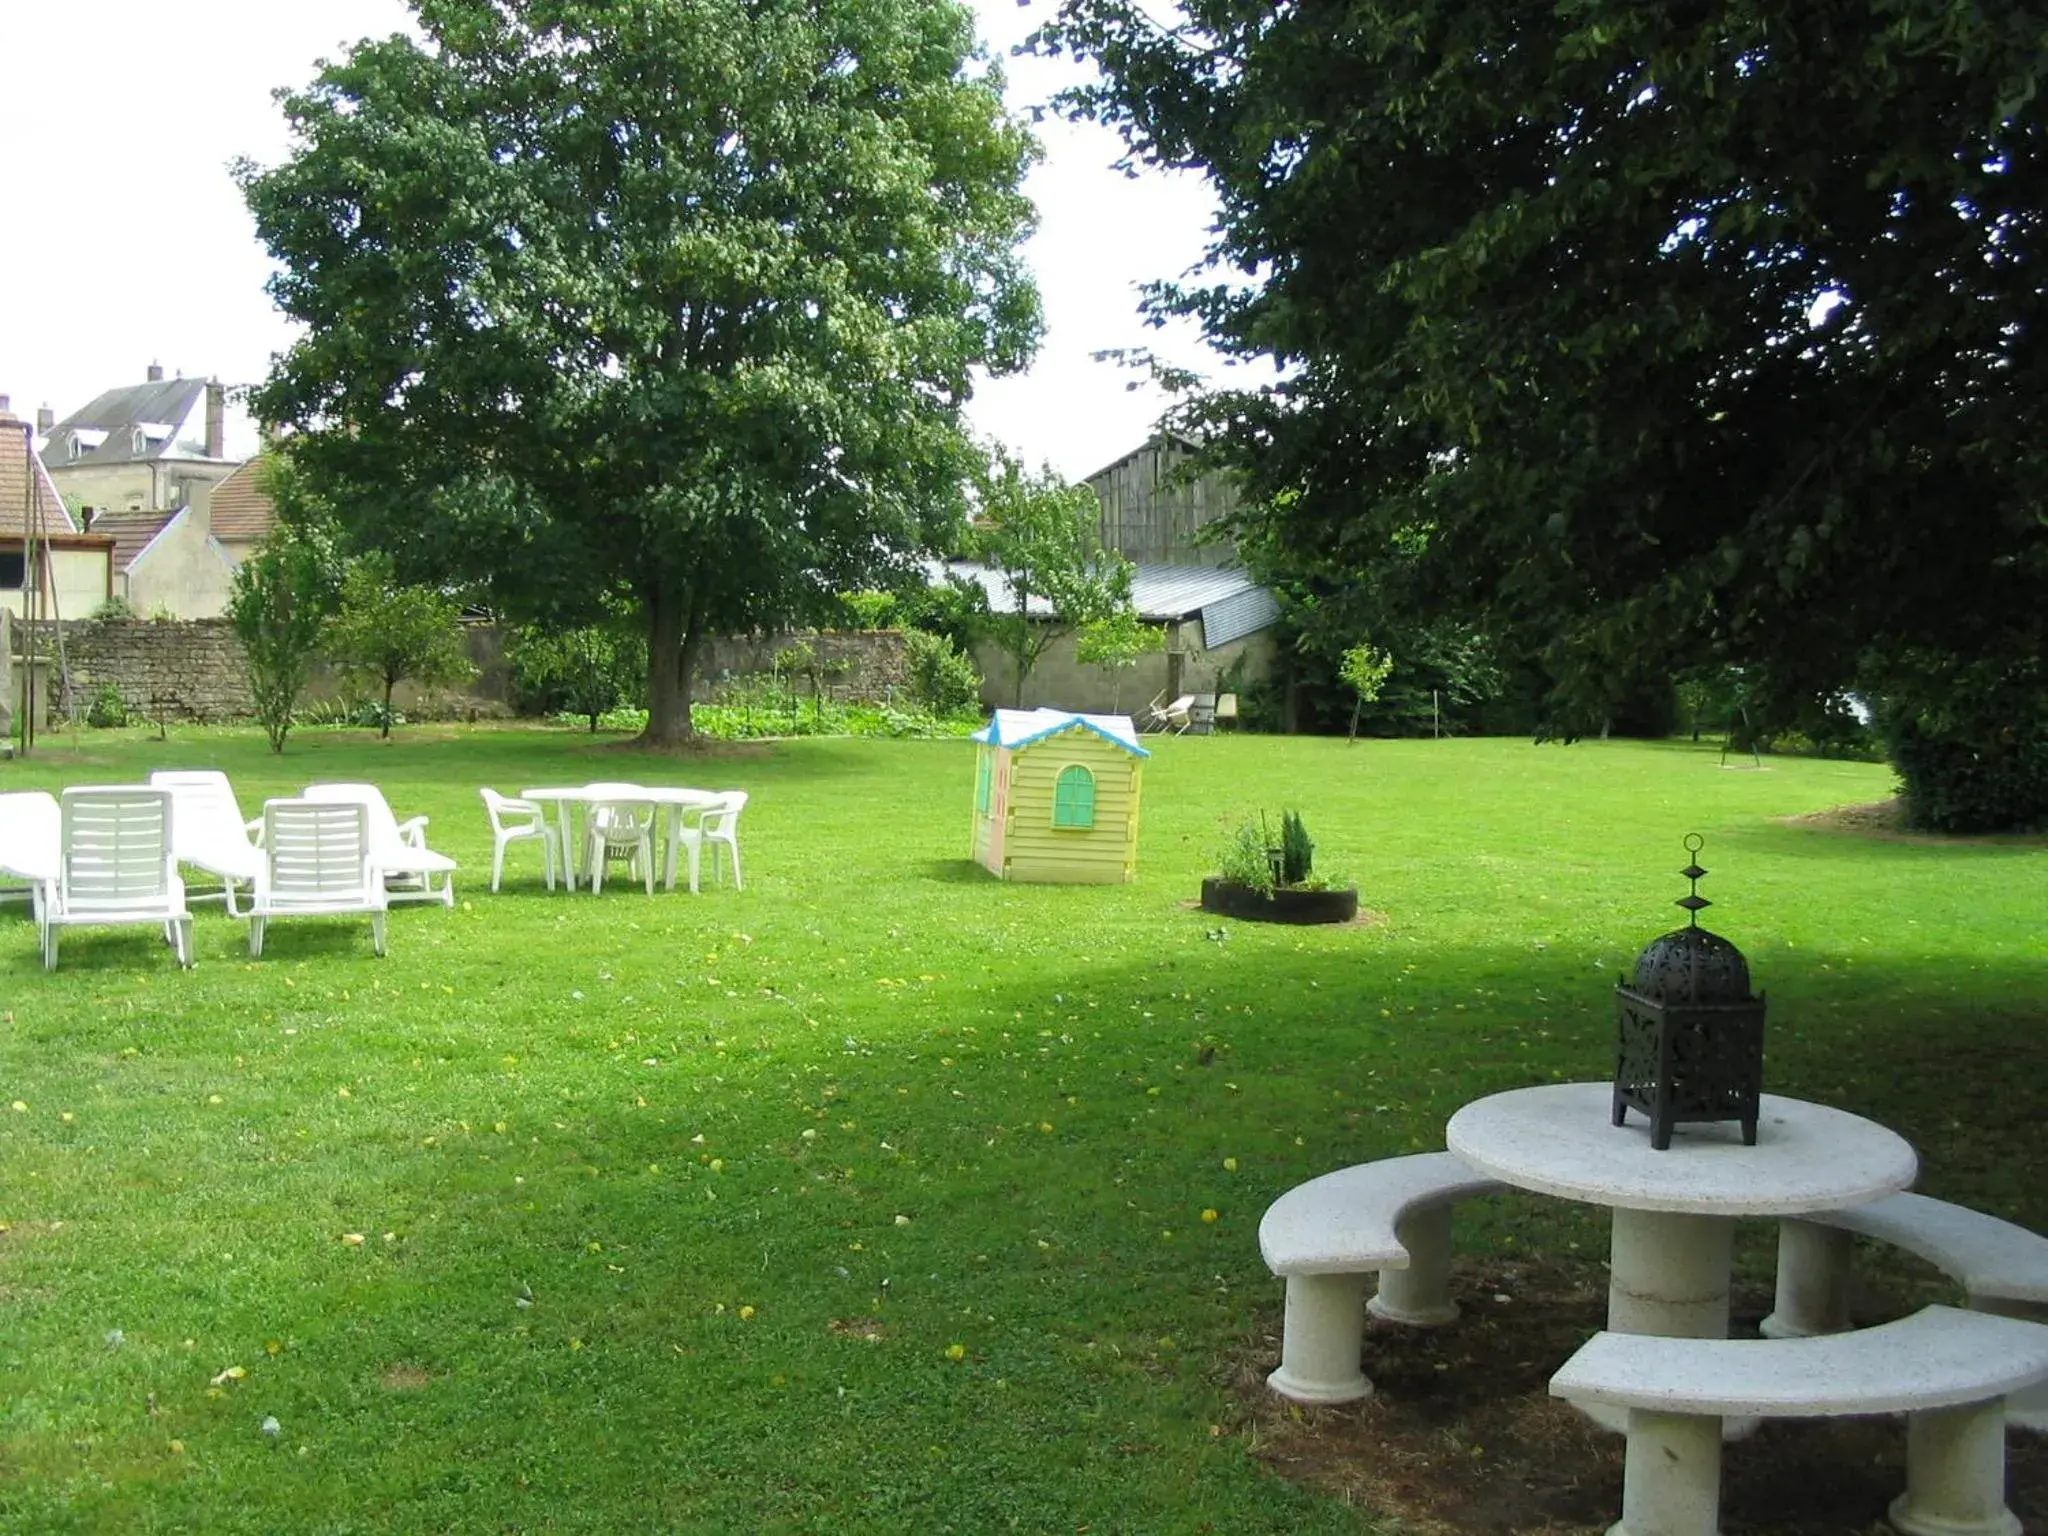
{"type": "Point", "coordinates": [126, 243]}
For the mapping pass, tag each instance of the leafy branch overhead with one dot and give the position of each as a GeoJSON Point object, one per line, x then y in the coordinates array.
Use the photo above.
{"type": "Point", "coordinates": [672, 306]}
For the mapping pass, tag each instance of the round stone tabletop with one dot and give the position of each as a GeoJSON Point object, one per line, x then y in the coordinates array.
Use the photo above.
{"type": "Point", "coordinates": [1559, 1140]}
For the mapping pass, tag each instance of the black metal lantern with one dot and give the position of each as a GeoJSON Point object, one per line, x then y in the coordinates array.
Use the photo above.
{"type": "Point", "coordinates": [1691, 1040]}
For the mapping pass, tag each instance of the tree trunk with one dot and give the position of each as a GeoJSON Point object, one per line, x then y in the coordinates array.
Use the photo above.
{"type": "Point", "coordinates": [389, 683]}
{"type": "Point", "coordinates": [675, 622]}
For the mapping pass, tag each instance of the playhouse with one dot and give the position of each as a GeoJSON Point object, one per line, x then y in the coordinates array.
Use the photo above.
{"type": "Point", "coordinates": [1056, 796]}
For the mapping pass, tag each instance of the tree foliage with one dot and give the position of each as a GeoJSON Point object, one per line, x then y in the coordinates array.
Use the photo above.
{"type": "Point", "coordinates": [584, 671]}
{"type": "Point", "coordinates": [384, 634]}
{"type": "Point", "coordinates": [1040, 533]}
{"type": "Point", "coordinates": [1116, 642]}
{"type": "Point", "coordinates": [283, 594]}
{"type": "Point", "coordinates": [1657, 336]}
{"type": "Point", "coordinates": [668, 303]}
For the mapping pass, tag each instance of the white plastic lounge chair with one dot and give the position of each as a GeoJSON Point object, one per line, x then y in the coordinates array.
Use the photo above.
{"type": "Point", "coordinates": [115, 865]}
{"type": "Point", "coordinates": [621, 829]}
{"type": "Point", "coordinates": [316, 863]}
{"type": "Point", "coordinates": [718, 825]}
{"type": "Point", "coordinates": [1176, 716]}
{"type": "Point", "coordinates": [208, 829]}
{"type": "Point", "coordinates": [30, 825]}
{"type": "Point", "coordinates": [515, 821]}
{"type": "Point", "coordinates": [398, 849]}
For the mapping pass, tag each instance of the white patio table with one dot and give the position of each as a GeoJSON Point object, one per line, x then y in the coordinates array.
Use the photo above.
{"type": "Point", "coordinates": [1675, 1210]}
{"type": "Point", "coordinates": [673, 800]}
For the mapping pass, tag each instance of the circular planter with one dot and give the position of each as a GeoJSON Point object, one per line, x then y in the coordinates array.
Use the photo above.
{"type": "Point", "coordinates": [1234, 900]}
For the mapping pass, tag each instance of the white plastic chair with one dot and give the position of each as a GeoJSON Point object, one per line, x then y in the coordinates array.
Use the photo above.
{"type": "Point", "coordinates": [621, 829]}
{"type": "Point", "coordinates": [30, 831]}
{"type": "Point", "coordinates": [1176, 716]}
{"type": "Point", "coordinates": [718, 825]}
{"type": "Point", "coordinates": [316, 863]}
{"type": "Point", "coordinates": [517, 821]}
{"type": "Point", "coordinates": [115, 865]}
{"type": "Point", "coordinates": [398, 849]}
{"type": "Point", "coordinates": [209, 831]}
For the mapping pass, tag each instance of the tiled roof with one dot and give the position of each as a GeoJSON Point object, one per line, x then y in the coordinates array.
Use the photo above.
{"type": "Point", "coordinates": [132, 532]}
{"type": "Point", "coordinates": [169, 413]}
{"type": "Point", "coordinates": [242, 510]}
{"type": "Point", "coordinates": [25, 486]}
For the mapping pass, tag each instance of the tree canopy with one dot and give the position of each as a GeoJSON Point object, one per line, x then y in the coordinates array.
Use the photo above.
{"type": "Point", "coordinates": [1652, 335]}
{"type": "Point", "coordinates": [668, 302]}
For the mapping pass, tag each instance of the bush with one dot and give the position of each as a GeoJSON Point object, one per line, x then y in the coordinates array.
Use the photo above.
{"type": "Point", "coordinates": [1970, 742]}
{"type": "Point", "coordinates": [1297, 852]}
{"type": "Point", "coordinates": [107, 709]}
{"type": "Point", "coordinates": [943, 679]}
{"type": "Point", "coordinates": [114, 609]}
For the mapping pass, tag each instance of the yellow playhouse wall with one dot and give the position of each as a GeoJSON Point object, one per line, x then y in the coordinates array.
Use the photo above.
{"type": "Point", "coordinates": [1106, 854]}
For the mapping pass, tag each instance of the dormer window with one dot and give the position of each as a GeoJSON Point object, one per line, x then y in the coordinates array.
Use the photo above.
{"type": "Point", "coordinates": [74, 448]}
{"type": "Point", "coordinates": [138, 442]}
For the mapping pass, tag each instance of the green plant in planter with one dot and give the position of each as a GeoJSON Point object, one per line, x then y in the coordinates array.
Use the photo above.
{"type": "Point", "coordinates": [1297, 851]}
{"type": "Point", "coordinates": [1245, 858]}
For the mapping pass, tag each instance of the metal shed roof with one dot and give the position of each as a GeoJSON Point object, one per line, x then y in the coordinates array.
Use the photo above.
{"type": "Point", "coordinates": [1230, 604]}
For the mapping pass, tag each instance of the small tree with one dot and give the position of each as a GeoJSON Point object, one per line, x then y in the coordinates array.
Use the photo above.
{"type": "Point", "coordinates": [283, 595]}
{"type": "Point", "coordinates": [1115, 643]}
{"type": "Point", "coordinates": [585, 671]}
{"type": "Point", "coordinates": [1040, 533]}
{"type": "Point", "coordinates": [386, 634]}
{"type": "Point", "coordinates": [1366, 670]}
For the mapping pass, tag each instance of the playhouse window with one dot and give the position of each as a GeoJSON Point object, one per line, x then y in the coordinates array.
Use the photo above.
{"type": "Point", "coordinates": [983, 775]}
{"type": "Point", "coordinates": [1073, 798]}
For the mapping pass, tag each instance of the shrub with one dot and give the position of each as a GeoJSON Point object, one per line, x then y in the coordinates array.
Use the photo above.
{"type": "Point", "coordinates": [1970, 742]}
{"type": "Point", "coordinates": [114, 609]}
{"type": "Point", "coordinates": [107, 709]}
{"type": "Point", "coordinates": [1245, 860]}
{"type": "Point", "coordinates": [1297, 852]}
{"type": "Point", "coordinates": [943, 679]}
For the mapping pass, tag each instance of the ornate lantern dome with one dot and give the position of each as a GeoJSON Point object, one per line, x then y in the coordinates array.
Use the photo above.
{"type": "Point", "coordinates": [1691, 965]}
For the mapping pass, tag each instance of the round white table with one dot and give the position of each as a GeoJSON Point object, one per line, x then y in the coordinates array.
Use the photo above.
{"type": "Point", "coordinates": [1675, 1210]}
{"type": "Point", "coordinates": [672, 800]}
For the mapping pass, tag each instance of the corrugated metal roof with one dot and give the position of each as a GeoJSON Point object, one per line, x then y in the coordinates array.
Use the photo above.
{"type": "Point", "coordinates": [1230, 603]}
{"type": "Point", "coordinates": [1014, 728]}
{"type": "Point", "coordinates": [1240, 614]}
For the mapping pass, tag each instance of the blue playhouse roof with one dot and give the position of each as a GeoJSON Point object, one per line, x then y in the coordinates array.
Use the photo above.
{"type": "Point", "coordinates": [1014, 728]}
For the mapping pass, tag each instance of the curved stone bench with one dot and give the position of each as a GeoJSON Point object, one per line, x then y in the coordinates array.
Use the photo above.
{"type": "Point", "coordinates": [1948, 1369]}
{"type": "Point", "coordinates": [2001, 1266]}
{"type": "Point", "coordinates": [1391, 1218]}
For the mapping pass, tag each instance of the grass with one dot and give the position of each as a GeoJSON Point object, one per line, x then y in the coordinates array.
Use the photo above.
{"type": "Point", "coordinates": [951, 1141]}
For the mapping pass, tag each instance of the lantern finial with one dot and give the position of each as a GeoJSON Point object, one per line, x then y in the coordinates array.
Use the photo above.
{"type": "Point", "coordinates": [1693, 901]}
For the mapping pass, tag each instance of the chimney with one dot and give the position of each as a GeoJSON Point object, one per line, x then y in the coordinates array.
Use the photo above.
{"type": "Point", "coordinates": [45, 420]}
{"type": "Point", "coordinates": [156, 373]}
{"type": "Point", "coordinates": [5, 402]}
{"type": "Point", "coordinates": [216, 420]}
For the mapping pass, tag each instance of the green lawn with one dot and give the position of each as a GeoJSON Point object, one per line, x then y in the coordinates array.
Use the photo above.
{"type": "Point", "coordinates": [877, 1094]}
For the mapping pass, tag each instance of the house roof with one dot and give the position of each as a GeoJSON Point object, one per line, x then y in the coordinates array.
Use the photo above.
{"type": "Point", "coordinates": [1157, 440]}
{"type": "Point", "coordinates": [25, 486]}
{"type": "Point", "coordinates": [1014, 728]}
{"type": "Point", "coordinates": [170, 415]}
{"type": "Point", "coordinates": [242, 510]}
{"type": "Point", "coordinates": [1230, 604]}
{"type": "Point", "coordinates": [133, 532]}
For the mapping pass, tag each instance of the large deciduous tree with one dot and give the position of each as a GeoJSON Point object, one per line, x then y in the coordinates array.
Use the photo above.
{"type": "Point", "coordinates": [1655, 335]}
{"type": "Point", "coordinates": [668, 302]}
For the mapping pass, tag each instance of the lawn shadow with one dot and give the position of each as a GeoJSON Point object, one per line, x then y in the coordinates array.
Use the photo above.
{"type": "Point", "coordinates": [955, 871]}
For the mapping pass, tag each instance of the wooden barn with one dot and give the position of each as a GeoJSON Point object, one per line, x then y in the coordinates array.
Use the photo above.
{"type": "Point", "coordinates": [1056, 797]}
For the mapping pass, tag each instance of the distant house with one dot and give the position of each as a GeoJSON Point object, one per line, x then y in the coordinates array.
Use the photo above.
{"type": "Point", "coordinates": [165, 563]}
{"type": "Point", "coordinates": [71, 566]}
{"type": "Point", "coordinates": [239, 510]}
{"type": "Point", "coordinates": [149, 447]}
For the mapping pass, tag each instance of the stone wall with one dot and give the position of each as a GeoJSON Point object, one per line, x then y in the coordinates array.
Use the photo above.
{"type": "Point", "coordinates": [193, 669]}
{"type": "Point", "coordinates": [190, 669]}
{"type": "Point", "coordinates": [855, 665]}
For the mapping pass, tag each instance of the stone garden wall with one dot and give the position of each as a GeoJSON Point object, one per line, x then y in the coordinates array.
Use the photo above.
{"type": "Point", "coordinates": [193, 669]}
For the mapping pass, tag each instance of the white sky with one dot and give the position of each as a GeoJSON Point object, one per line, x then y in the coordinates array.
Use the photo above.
{"type": "Point", "coordinates": [123, 242]}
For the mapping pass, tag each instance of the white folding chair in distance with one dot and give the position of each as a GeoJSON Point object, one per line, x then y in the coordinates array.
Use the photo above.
{"type": "Point", "coordinates": [316, 863]}
{"type": "Point", "coordinates": [398, 849]}
{"type": "Point", "coordinates": [30, 833]}
{"type": "Point", "coordinates": [1176, 716]}
{"type": "Point", "coordinates": [210, 832]}
{"type": "Point", "coordinates": [717, 826]}
{"type": "Point", "coordinates": [115, 865]}
{"type": "Point", "coordinates": [517, 821]}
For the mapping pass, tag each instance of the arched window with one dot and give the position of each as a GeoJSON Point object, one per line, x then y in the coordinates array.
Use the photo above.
{"type": "Point", "coordinates": [983, 776]}
{"type": "Point", "coordinates": [1073, 798]}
